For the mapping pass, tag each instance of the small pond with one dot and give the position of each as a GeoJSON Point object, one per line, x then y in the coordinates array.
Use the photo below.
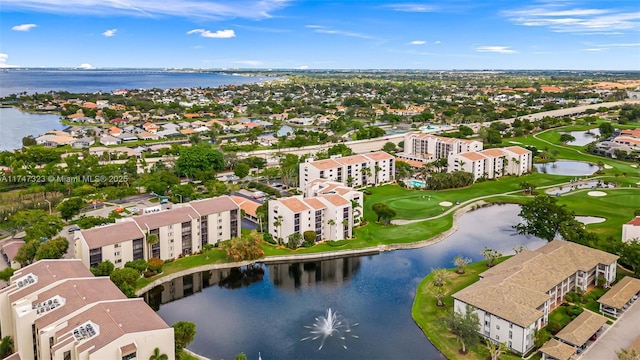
{"type": "Point", "coordinates": [595, 184]}
{"type": "Point", "coordinates": [567, 167]}
{"type": "Point", "coordinates": [583, 137]}
{"type": "Point", "coordinates": [271, 308]}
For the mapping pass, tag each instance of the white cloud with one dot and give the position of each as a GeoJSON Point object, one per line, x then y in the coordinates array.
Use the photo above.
{"type": "Point", "coordinates": [437, 42]}
{"type": "Point", "coordinates": [560, 18]}
{"type": "Point", "coordinates": [3, 61]}
{"type": "Point", "coordinates": [23, 27]}
{"type": "Point", "coordinates": [621, 45]}
{"type": "Point", "coordinates": [412, 7]}
{"type": "Point", "coordinates": [208, 9]}
{"type": "Point", "coordinates": [495, 49]}
{"type": "Point", "coordinates": [594, 49]}
{"type": "Point", "coordinates": [86, 66]}
{"type": "Point", "coordinates": [303, 67]}
{"type": "Point", "coordinates": [220, 34]}
{"type": "Point", "coordinates": [110, 32]}
{"type": "Point", "coordinates": [418, 42]}
{"type": "Point", "coordinates": [326, 30]}
{"type": "Point", "coordinates": [249, 62]}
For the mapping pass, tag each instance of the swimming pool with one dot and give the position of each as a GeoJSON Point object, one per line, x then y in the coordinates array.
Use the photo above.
{"type": "Point", "coordinates": [416, 183]}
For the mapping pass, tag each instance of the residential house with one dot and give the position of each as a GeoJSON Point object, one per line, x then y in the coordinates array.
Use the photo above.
{"type": "Point", "coordinates": [514, 298]}
{"type": "Point", "coordinates": [182, 230]}
{"type": "Point", "coordinates": [115, 131]}
{"type": "Point", "coordinates": [83, 143]}
{"type": "Point", "coordinates": [150, 127]}
{"type": "Point", "coordinates": [373, 168]}
{"type": "Point", "coordinates": [109, 140]}
{"type": "Point", "coordinates": [56, 309]}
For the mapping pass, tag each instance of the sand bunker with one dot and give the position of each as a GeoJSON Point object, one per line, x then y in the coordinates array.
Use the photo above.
{"type": "Point", "coordinates": [597, 193]}
{"type": "Point", "coordinates": [608, 166]}
{"type": "Point", "coordinates": [445, 203]}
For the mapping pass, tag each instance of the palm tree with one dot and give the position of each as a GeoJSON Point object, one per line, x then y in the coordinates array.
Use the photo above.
{"type": "Point", "coordinates": [440, 276]}
{"type": "Point", "coordinates": [331, 223]}
{"type": "Point", "coordinates": [461, 262]}
{"type": "Point", "coordinates": [157, 356]}
{"type": "Point", "coordinates": [505, 163]}
{"type": "Point", "coordinates": [345, 224]}
{"type": "Point", "coordinates": [377, 169]}
{"type": "Point", "coordinates": [366, 172]}
{"type": "Point", "coordinates": [152, 239]}
{"type": "Point", "coordinates": [278, 224]}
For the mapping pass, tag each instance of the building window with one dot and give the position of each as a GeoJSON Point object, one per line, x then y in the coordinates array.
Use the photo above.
{"type": "Point", "coordinates": [510, 326]}
{"type": "Point", "coordinates": [497, 337]}
{"type": "Point", "coordinates": [129, 356]}
{"type": "Point", "coordinates": [510, 345]}
{"type": "Point", "coordinates": [67, 355]}
{"type": "Point", "coordinates": [486, 322]}
{"type": "Point", "coordinates": [498, 327]}
{"type": "Point", "coordinates": [510, 334]}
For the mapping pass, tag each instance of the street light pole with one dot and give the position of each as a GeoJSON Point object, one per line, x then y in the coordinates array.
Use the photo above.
{"type": "Point", "coordinates": [48, 202]}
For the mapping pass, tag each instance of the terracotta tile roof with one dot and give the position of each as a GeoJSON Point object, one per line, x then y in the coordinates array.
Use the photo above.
{"type": "Point", "coordinates": [315, 203]}
{"type": "Point", "coordinates": [249, 206]}
{"type": "Point", "coordinates": [165, 218]}
{"type": "Point", "coordinates": [558, 350]}
{"type": "Point", "coordinates": [493, 152]}
{"type": "Point", "coordinates": [580, 329]}
{"type": "Point", "coordinates": [634, 222]}
{"type": "Point", "coordinates": [336, 200]}
{"type": "Point", "coordinates": [294, 204]}
{"type": "Point", "coordinates": [621, 293]}
{"type": "Point", "coordinates": [213, 205]}
{"type": "Point", "coordinates": [473, 156]}
{"type": "Point", "coordinates": [112, 234]}
{"type": "Point", "coordinates": [378, 155]}
{"type": "Point", "coordinates": [114, 319]}
{"type": "Point", "coordinates": [77, 293]}
{"type": "Point", "coordinates": [47, 272]}
{"type": "Point", "coordinates": [11, 247]}
{"type": "Point", "coordinates": [325, 164]}
{"type": "Point", "coordinates": [351, 160]}
{"type": "Point", "coordinates": [412, 163]}
{"type": "Point", "coordinates": [518, 150]}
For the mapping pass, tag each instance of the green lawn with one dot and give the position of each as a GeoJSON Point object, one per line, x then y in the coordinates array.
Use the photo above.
{"type": "Point", "coordinates": [427, 315]}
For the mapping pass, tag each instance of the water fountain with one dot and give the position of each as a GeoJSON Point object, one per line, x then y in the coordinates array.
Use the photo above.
{"type": "Point", "coordinates": [329, 325]}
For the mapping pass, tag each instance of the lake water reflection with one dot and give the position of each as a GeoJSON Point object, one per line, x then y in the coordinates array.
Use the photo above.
{"type": "Point", "coordinates": [265, 308]}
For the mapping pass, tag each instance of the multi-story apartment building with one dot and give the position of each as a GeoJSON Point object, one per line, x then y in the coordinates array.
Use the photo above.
{"type": "Point", "coordinates": [56, 309]}
{"type": "Point", "coordinates": [514, 298]}
{"type": "Point", "coordinates": [354, 171]}
{"type": "Point", "coordinates": [492, 163]}
{"type": "Point", "coordinates": [184, 229]}
{"type": "Point", "coordinates": [330, 209]}
{"type": "Point", "coordinates": [426, 147]}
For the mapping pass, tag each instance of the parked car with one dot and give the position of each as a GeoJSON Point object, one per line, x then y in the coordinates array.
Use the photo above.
{"type": "Point", "coordinates": [73, 229]}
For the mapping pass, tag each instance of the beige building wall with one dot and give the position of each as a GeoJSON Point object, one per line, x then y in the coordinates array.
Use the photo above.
{"type": "Point", "coordinates": [145, 343]}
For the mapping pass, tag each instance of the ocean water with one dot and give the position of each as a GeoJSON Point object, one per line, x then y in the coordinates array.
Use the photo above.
{"type": "Point", "coordinates": [15, 81]}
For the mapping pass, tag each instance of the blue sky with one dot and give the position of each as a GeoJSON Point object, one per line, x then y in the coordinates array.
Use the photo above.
{"type": "Point", "coordinates": [317, 34]}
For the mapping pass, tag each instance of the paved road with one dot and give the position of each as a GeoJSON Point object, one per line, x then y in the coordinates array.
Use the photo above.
{"type": "Point", "coordinates": [620, 335]}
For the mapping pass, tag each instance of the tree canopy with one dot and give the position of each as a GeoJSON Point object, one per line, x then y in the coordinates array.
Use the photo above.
{"type": "Point", "coordinates": [545, 218]}
{"type": "Point", "coordinates": [464, 327]}
{"type": "Point", "coordinates": [184, 332]}
{"type": "Point", "coordinates": [199, 158]}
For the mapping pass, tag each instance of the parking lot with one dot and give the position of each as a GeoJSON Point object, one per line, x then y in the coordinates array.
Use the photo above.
{"type": "Point", "coordinates": [619, 336]}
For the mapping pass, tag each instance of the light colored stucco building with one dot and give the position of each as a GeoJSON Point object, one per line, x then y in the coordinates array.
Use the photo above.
{"type": "Point", "coordinates": [354, 171]}
{"type": "Point", "coordinates": [427, 147]}
{"type": "Point", "coordinates": [492, 163]}
{"type": "Point", "coordinates": [515, 297]}
{"type": "Point", "coordinates": [328, 210]}
{"type": "Point", "coordinates": [631, 230]}
{"type": "Point", "coordinates": [182, 230]}
{"type": "Point", "coordinates": [56, 309]}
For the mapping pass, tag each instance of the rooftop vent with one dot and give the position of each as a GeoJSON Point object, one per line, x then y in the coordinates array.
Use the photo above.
{"type": "Point", "coordinates": [48, 305]}
{"type": "Point", "coordinates": [26, 280]}
{"type": "Point", "coordinates": [86, 331]}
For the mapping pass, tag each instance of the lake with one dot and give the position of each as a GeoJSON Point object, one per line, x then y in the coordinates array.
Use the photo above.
{"type": "Point", "coordinates": [269, 309]}
{"type": "Point", "coordinates": [583, 137]}
{"type": "Point", "coordinates": [567, 167]}
{"type": "Point", "coordinates": [15, 124]}
{"type": "Point", "coordinates": [31, 81]}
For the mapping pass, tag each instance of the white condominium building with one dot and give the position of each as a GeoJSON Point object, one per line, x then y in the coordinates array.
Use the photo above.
{"type": "Point", "coordinates": [56, 309]}
{"type": "Point", "coordinates": [492, 163]}
{"type": "Point", "coordinates": [514, 298]}
{"type": "Point", "coordinates": [426, 147]}
{"type": "Point", "coordinates": [330, 211]}
{"type": "Point", "coordinates": [354, 171]}
{"type": "Point", "coordinates": [184, 229]}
